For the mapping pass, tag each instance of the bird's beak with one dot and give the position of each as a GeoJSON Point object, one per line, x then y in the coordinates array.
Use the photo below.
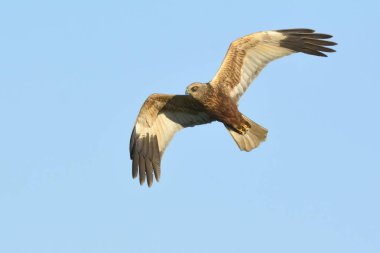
{"type": "Point", "coordinates": [187, 92]}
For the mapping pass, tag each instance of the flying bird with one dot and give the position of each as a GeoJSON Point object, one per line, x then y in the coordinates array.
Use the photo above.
{"type": "Point", "coordinates": [162, 115]}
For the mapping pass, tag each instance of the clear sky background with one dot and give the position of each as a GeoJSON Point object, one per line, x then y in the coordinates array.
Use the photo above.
{"type": "Point", "coordinates": [74, 74]}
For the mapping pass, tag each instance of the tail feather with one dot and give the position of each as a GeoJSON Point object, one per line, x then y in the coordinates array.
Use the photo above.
{"type": "Point", "coordinates": [255, 135]}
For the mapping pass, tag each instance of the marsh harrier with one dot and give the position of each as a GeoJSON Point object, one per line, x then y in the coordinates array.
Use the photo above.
{"type": "Point", "coordinates": [161, 116]}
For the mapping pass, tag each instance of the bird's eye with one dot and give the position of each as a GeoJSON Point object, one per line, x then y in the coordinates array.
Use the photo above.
{"type": "Point", "coordinates": [194, 89]}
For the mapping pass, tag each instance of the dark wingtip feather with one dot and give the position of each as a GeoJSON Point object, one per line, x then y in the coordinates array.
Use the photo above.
{"type": "Point", "coordinates": [320, 42]}
{"type": "Point", "coordinates": [157, 171]}
{"type": "Point", "coordinates": [296, 30]}
{"type": "Point", "coordinates": [319, 48]}
{"type": "Point", "coordinates": [156, 158]}
{"type": "Point", "coordinates": [149, 172]}
{"type": "Point", "coordinates": [132, 143]}
{"type": "Point", "coordinates": [135, 166]}
{"type": "Point", "coordinates": [142, 170]}
{"type": "Point", "coordinates": [306, 41]}
{"type": "Point", "coordinates": [146, 159]}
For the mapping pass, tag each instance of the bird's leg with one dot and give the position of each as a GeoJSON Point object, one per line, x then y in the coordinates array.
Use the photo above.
{"type": "Point", "coordinates": [243, 129]}
{"type": "Point", "coordinates": [246, 126]}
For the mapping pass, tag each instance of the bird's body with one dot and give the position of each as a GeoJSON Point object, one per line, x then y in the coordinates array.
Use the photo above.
{"type": "Point", "coordinates": [218, 106]}
{"type": "Point", "coordinates": [161, 116]}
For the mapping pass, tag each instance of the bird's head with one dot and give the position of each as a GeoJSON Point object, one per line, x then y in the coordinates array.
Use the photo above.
{"type": "Point", "coordinates": [197, 90]}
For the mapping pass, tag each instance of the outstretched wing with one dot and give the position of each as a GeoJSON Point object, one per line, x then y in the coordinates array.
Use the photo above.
{"type": "Point", "coordinates": [247, 56]}
{"type": "Point", "coordinates": [160, 117]}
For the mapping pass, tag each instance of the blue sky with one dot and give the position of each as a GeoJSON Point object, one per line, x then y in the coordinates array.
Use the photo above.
{"type": "Point", "coordinates": [74, 74]}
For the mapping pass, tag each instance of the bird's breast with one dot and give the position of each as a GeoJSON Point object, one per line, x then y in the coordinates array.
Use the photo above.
{"type": "Point", "coordinates": [223, 110]}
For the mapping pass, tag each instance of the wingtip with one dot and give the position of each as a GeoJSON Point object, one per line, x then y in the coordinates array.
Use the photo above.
{"type": "Point", "coordinates": [157, 176]}
{"type": "Point", "coordinates": [308, 42]}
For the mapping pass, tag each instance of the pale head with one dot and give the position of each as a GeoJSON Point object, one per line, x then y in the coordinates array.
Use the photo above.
{"type": "Point", "coordinates": [197, 90]}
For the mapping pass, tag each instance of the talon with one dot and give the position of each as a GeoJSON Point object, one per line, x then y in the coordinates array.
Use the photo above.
{"type": "Point", "coordinates": [243, 129]}
{"type": "Point", "coordinates": [246, 127]}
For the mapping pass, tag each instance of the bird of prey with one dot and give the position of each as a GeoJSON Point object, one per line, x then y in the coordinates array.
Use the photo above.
{"type": "Point", "coordinates": [162, 115]}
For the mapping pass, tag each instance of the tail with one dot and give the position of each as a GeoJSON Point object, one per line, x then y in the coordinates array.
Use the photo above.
{"type": "Point", "coordinates": [252, 138]}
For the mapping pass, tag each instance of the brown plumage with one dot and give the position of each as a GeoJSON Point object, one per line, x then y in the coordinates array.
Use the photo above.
{"type": "Point", "coordinates": [161, 116]}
